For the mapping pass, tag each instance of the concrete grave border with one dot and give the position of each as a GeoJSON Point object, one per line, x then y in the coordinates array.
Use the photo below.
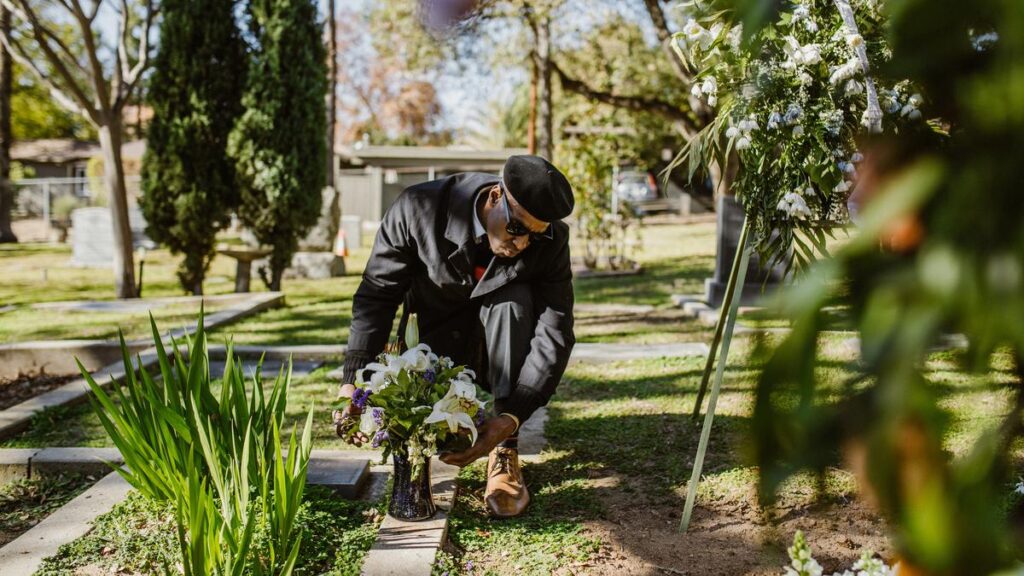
{"type": "Point", "coordinates": [16, 418]}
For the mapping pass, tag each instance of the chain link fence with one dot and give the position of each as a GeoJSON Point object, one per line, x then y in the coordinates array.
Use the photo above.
{"type": "Point", "coordinates": [42, 206]}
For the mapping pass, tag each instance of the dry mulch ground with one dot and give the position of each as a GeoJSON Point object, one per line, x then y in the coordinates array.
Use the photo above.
{"type": "Point", "coordinates": [16, 390]}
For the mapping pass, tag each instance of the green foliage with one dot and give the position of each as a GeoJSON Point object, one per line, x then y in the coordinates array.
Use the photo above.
{"type": "Point", "coordinates": [279, 143]}
{"type": "Point", "coordinates": [792, 102]}
{"type": "Point", "coordinates": [64, 206]}
{"type": "Point", "coordinates": [138, 536]}
{"type": "Point", "coordinates": [209, 455]}
{"type": "Point", "coordinates": [195, 91]}
{"type": "Point", "coordinates": [941, 250]}
{"type": "Point", "coordinates": [34, 114]}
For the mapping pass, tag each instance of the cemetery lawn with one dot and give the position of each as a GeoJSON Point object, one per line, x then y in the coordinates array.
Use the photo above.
{"type": "Point", "coordinates": [24, 503]}
{"type": "Point", "coordinates": [138, 537]}
{"type": "Point", "coordinates": [608, 493]}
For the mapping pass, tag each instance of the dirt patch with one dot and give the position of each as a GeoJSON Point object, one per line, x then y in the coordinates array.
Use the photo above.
{"type": "Point", "coordinates": [640, 537]}
{"type": "Point", "coordinates": [16, 390]}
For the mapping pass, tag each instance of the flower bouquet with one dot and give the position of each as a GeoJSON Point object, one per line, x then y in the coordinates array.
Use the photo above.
{"type": "Point", "coordinates": [414, 405]}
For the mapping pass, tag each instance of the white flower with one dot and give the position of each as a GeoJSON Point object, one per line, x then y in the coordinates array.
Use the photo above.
{"type": "Point", "coordinates": [774, 119]}
{"type": "Point", "coordinates": [735, 36]}
{"type": "Point", "coordinates": [712, 100]}
{"type": "Point", "coordinates": [846, 167]}
{"type": "Point", "coordinates": [794, 205]}
{"type": "Point", "coordinates": [857, 157]}
{"type": "Point", "coordinates": [843, 186]}
{"type": "Point", "coordinates": [811, 26]}
{"type": "Point", "coordinates": [453, 408]}
{"type": "Point", "coordinates": [371, 420]}
{"type": "Point", "coordinates": [1019, 488]}
{"type": "Point", "coordinates": [915, 100]}
{"type": "Point", "coordinates": [801, 12]}
{"type": "Point", "coordinates": [696, 91]}
{"type": "Point", "coordinates": [418, 359]}
{"type": "Point", "coordinates": [854, 40]}
{"type": "Point", "coordinates": [693, 30]}
{"type": "Point", "coordinates": [748, 125]}
{"type": "Point", "coordinates": [743, 143]}
{"type": "Point", "coordinates": [732, 132]}
{"type": "Point", "coordinates": [798, 130]}
{"type": "Point", "coordinates": [805, 79]}
{"type": "Point", "coordinates": [854, 88]}
{"type": "Point", "coordinates": [710, 85]}
{"type": "Point", "coordinates": [810, 55]}
{"type": "Point", "coordinates": [982, 42]}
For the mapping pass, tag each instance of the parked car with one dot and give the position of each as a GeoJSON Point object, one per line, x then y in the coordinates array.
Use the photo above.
{"type": "Point", "coordinates": [641, 191]}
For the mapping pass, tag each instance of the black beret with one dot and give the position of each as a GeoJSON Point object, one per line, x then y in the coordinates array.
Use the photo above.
{"type": "Point", "coordinates": [538, 187]}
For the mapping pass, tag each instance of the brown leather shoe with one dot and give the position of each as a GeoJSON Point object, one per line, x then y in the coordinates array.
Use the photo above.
{"type": "Point", "coordinates": [506, 493]}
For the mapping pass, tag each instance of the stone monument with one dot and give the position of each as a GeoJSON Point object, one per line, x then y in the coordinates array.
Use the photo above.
{"type": "Point", "coordinates": [759, 281]}
{"type": "Point", "coordinates": [92, 236]}
{"type": "Point", "coordinates": [316, 258]}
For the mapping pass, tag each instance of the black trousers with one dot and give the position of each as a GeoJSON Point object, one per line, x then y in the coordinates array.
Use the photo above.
{"type": "Point", "coordinates": [507, 324]}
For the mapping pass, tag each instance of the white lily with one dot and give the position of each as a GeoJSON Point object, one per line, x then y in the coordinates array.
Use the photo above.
{"type": "Point", "coordinates": [419, 358]}
{"type": "Point", "coordinates": [453, 408]}
{"type": "Point", "coordinates": [369, 421]}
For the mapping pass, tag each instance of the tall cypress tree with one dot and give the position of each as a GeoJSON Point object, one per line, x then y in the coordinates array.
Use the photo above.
{"type": "Point", "coordinates": [280, 141]}
{"type": "Point", "coordinates": [196, 90]}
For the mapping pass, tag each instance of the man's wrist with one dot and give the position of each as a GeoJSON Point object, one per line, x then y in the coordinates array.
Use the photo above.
{"type": "Point", "coordinates": [515, 421]}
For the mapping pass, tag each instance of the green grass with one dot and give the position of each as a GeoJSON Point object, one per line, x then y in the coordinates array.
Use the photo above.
{"type": "Point", "coordinates": [676, 259]}
{"type": "Point", "coordinates": [622, 433]}
{"type": "Point", "coordinates": [23, 503]}
{"type": "Point", "coordinates": [138, 536]}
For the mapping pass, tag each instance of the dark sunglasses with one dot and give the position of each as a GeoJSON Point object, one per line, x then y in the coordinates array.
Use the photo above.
{"type": "Point", "coordinates": [517, 228]}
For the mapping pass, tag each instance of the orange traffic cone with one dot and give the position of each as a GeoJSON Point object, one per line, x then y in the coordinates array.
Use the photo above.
{"type": "Point", "coordinates": [340, 245]}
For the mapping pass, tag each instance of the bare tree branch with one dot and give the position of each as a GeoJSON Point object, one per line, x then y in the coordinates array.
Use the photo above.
{"type": "Point", "coordinates": [99, 79]}
{"type": "Point", "coordinates": [17, 51]}
{"type": "Point", "coordinates": [132, 77]}
{"type": "Point", "coordinates": [665, 37]}
{"type": "Point", "coordinates": [638, 103]}
{"type": "Point", "coordinates": [25, 11]}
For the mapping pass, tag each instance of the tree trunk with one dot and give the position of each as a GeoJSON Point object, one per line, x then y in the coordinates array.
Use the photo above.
{"type": "Point", "coordinates": [545, 140]}
{"type": "Point", "coordinates": [531, 127]}
{"type": "Point", "coordinates": [332, 86]}
{"type": "Point", "coordinates": [6, 78]}
{"type": "Point", "coordinates": [113, 181]}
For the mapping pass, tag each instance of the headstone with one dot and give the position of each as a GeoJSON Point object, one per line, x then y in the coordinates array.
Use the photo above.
{"type": "Point", "coordinates": [321, 237]}
{"type": "Point", "coordinates": [759, 281]}
{"type": "Point", "coordinates": [316, 266]}
{"type": "Point", "coordinates": [92, 236]}
{"type": "Point", "coordinates": [352, 225]}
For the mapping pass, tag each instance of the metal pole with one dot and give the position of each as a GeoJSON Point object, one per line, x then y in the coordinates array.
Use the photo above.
{"type": "Point", "coordinates": [705, 433]}
{"type": "Point", "coordinates": [46, 203]}
{"type": "Point", "coordinates": [615, 197]}
{"type": "Point", "coordinates": [720, 326]}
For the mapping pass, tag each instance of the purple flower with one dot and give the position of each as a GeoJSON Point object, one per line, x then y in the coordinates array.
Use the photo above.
{"type": "Point", "coordinates": [378, 416]}
{"type": "Point", "coordinates": [360, 396]}
{"type": "Point", "coordinates": [469, 565]}
{"type": "Point", "coordinates": [479, 417]}
{"type": "Point", "coordinates": [430, 375]}
{"type": "Point", "coordinates": [379, 438]}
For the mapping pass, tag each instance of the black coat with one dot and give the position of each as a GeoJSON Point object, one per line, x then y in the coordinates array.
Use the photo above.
{"type": "Point", "coordinates": [423, 251]}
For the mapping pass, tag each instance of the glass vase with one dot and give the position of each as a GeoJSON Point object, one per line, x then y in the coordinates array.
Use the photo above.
{"type": "Point", "coordinates": [411, 498]}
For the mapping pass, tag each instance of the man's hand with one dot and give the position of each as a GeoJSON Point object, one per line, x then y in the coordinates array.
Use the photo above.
{"type": "Point", "coordinates": [347, 418]}
{"type": "Point", "coordinates": [489, 435]}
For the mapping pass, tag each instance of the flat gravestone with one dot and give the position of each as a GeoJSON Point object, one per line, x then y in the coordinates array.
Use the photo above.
{"type": "Point", "coordinates": [345, 476]}
{"type": "Point", "coordinates": [88, 461]}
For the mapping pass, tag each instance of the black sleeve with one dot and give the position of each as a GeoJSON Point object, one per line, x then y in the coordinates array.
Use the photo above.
{"type": "Point", "coordinates": [385, 282]}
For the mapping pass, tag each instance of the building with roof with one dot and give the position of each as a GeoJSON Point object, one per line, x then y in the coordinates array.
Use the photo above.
{"type": "Point", "coordinates": [370, 178]}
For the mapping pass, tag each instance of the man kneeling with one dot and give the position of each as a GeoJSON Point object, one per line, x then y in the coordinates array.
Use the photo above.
{"type": "Point", "coordinates": [484, 263]}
